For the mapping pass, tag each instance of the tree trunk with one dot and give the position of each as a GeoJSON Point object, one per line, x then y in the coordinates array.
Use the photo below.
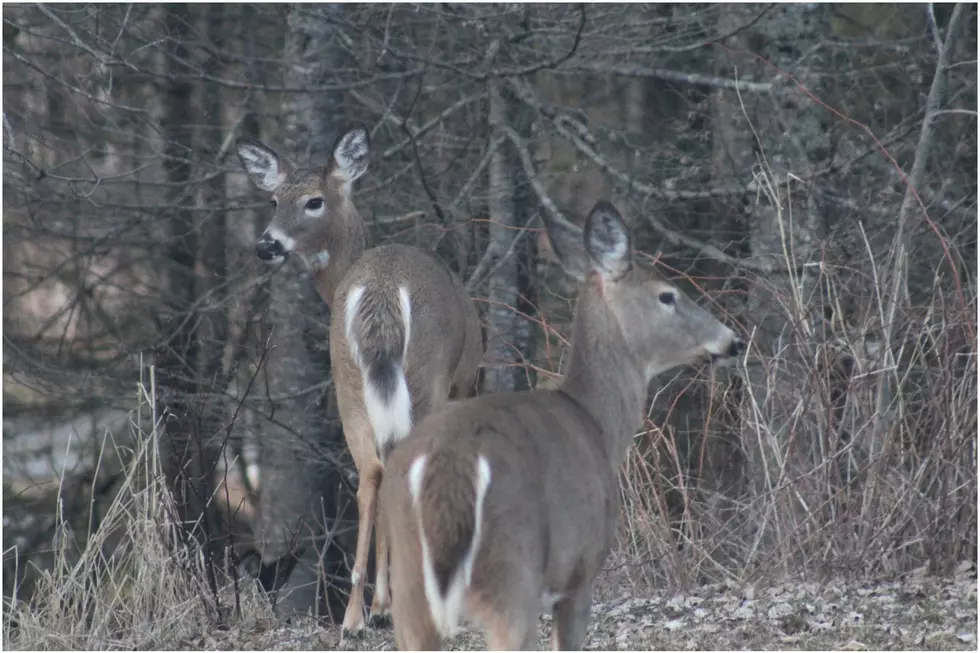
{"type": "Point", "coordinates": [510, 336]}
{"type": "Point", "coordinates": [188, 459]}
{"type": "Point", "coordinates": [302, 496]}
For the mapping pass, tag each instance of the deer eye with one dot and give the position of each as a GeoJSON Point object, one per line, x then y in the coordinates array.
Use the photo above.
{"type": "Point", "coordinates": [273, 203]}
{"type": "Point", "coordinates": [314, 204]}
{"type": "Point", "coordinates": [667, 298]}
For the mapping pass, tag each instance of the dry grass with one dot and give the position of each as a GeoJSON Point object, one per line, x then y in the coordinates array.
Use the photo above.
{"type": "Point", "coordinates": [852, 441]}
{"type": "Point", "coordinates": [131, 585]}
{"type": "Point", "coordinates": [874, 478]}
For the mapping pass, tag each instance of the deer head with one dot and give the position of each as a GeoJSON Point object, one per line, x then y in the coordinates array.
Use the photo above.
{"type": "Point", "coordinates": [312, 205]}
{"type": "Point", "coordinates": [662, 327]}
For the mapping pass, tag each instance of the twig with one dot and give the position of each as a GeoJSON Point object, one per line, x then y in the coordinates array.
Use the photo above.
{"type": "Point", "coordinates": [934, 27]}
{"type": "Point", "coordinates": [671, 236]}
{"type": "Point", "coordinates": [694, 79]}
{"type": "Point", "coordinates": [464, 192]}
{"type": "Point", "coordinates": [525, 94]}
{"type": "Point", "coordinates": [553, 63]}
{"type": "Point", "coordinates": [532, 176]}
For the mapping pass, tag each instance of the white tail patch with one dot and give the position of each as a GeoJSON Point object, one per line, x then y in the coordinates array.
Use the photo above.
{"type": "Point", "coordinates": [415, 472]}
{"type": "Point", "coordinates": [406, 303]}
{"type": "Point", "coordinates": [254, 474]}
{"type": "Point", "coordinates": [446, 610]}
{"type": "Point", "coordinates": [350, 312]}
{"type": "Point", "coordinates": [482, 483]}
{"type": "Point", "coordinates": [390, 420]}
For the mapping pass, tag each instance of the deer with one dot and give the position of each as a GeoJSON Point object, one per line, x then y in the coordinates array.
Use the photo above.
{"type": "Point", "coordinates": [506, 505]}
{"type": "Point", "coordinates": [404, 334]}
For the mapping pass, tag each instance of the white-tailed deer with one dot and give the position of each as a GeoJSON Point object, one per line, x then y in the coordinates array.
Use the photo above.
{"type": "Point", "coordinates": [503, 505]}
{"type": "Point", "coordinates": [404, 335]}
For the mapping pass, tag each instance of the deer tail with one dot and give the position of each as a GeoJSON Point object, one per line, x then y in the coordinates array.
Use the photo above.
{"type": "Point", "coordinates": [449, 508]}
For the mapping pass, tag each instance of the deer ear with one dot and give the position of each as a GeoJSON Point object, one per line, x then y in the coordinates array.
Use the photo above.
{"type": "Point", "coordinates": [568, 243]}
{"type": "Point", "coordinates": [608, 241]}
{"type": "Point", "coordinates": [350, 154]}
{"type": "Point", "coordinates": [263, 165]}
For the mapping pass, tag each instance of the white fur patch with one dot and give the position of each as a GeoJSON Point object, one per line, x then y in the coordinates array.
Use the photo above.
{"type": "Point", "coordinates": [288, 244]}
{"type": "Point", "coordinates": [254, 475]}
{"type": "Point", "coordinates": [319, 260]}
{"type": "Point", "coordinates": [415, 473]}
{"type": "Point", "coordinates": [350, 312]}
{"type": "Point", "coordinates": [390, 421]}
{"type": "Point", "coordinates": [262, 167]}
{"type": "Point", "coordinates": [720, 345]}
{"type": "Point", "coordinates": [351, 154]}
{"type": "Point", "coordinates": [482, 484]}
{"type": "Point", "coordinates": [354, 577]}
{"type": "Point", "coordinates": [406, 303]}
{"type": "Point", "coordinates": [619, 248]}
{"type": "Point", "coordinates": [318, 213]}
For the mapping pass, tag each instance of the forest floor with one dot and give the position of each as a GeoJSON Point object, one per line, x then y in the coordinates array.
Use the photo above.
{"type": "Point", "coordinates": [917, 612]}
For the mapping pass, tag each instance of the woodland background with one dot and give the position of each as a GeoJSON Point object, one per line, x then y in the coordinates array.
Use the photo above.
{"type": "Point", "coordinates": [807, 170]}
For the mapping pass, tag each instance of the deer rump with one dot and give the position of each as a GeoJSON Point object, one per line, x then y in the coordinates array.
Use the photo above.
{"type": "Point", "coordinates": [378, 328]}
{"type": "Point", "coordinates": [449, 539]}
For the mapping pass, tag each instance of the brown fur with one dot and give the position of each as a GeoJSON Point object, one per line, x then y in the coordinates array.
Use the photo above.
{"type": "Point", "coordinates": [549, 515]}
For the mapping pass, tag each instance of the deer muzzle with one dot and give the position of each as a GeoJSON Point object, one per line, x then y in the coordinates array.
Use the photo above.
{"type": "Point", "coordinates": [269, 249]}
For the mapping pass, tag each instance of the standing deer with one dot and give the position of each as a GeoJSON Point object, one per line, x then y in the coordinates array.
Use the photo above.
{"type": "Point", "coordinates": [405, 335]}
{"type": "Point", "coordinates": [502, 504]}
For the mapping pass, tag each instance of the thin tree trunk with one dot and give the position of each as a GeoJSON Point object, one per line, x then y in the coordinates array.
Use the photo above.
{"type": "Point", "coordinates": [302, 497]}
{"type": "Point", "coordinates": [510, 337]}
{"type": "Point", "coordinates": [188, 462]}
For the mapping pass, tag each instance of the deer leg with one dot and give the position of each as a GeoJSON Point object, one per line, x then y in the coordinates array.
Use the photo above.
{"type": "Point", "coordinates": [410, 612]}
{"type": "Point", "coordinates": [512, 625]}
{"type": "Point", "coordinates": [367, 501]}
{"type": "Point", "coordinates": [414, 630]}
{"type": "Point", "coordinates": [571, 621]}
{"type": "Point", "coordinates": [517, 634]}
{"type": "Point", "coordinates": [382, 592]}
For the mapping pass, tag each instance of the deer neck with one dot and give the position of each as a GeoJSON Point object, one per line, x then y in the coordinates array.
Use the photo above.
{"type": "Point", "coordinates": [603, 375]}
{"type": "Point", "coordinates": [338, 249]}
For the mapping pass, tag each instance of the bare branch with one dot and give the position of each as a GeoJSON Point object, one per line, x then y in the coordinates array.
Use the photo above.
{"type": "Point", "coordinates": [694, 79]}
{"type": "Point", "coordinates": [914, 182]}
{"type": "Point", "coordinates": [589, 151]}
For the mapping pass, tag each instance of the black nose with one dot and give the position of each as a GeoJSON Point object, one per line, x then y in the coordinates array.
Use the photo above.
{"type": "Point", "coordinates": [736, 348]}
{"type": "Point", "coordinates": [268, 249]}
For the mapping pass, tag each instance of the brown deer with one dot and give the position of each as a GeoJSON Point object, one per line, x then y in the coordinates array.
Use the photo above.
{"type": "Point", "coordinates": [503, 505]}
{"type": "Point", "coordinates": [405, 336]}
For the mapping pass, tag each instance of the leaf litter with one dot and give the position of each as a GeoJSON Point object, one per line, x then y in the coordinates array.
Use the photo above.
{"type": "Point", "coordinates": [917, 612]}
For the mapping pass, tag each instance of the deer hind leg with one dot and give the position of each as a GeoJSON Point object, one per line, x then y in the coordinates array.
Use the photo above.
{"type": "Point", "coordinates": [571, 621]}
{"type": "Point", "coordinates": [382, 592]}
{"type": "Point", "coordinates": [467, 372]}
{"type": "Point", "coordinates": [410, 612]}
{"type": "Point", "coordinates": [519, 633]}
{"type": "Point", "coordinates": [511, 621]}
{"type": "Point", "coordinates": [371, 473]}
